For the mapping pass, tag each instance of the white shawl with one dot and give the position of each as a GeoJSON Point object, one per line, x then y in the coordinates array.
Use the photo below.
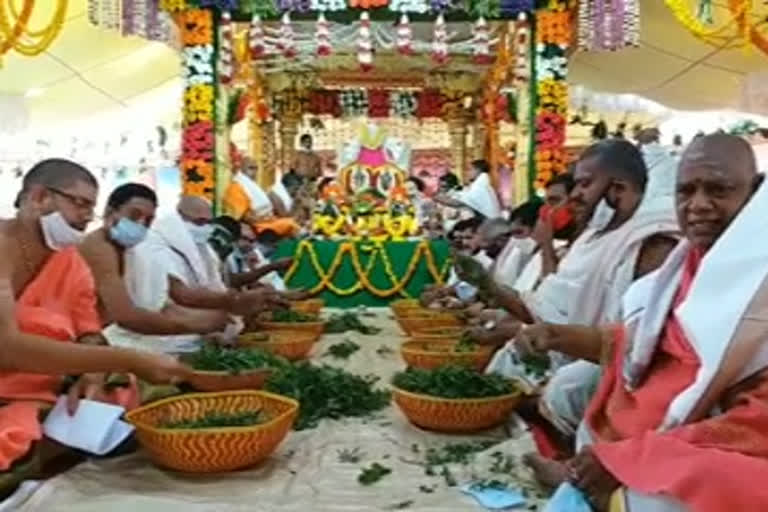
{"type": "Point", "coordinates": [260, 203]}
{"type": "Point", "coordinates": [481, 197]}
{"type": "Point", "coordinates": [280, 191]}
{"type": "Point", "coordinates": [711, 312]}
{"type": "Point", "coordinates": [511, 261]}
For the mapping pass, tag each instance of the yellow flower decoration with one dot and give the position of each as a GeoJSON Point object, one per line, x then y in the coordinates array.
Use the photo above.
{"type": "Point", "coordinates": [198, 104]}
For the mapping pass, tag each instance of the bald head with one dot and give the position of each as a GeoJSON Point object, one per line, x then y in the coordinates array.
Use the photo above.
{"type": "Point", "coordinates": [716, 178]}
{"type": "Point", "coordinates": [195, 209]}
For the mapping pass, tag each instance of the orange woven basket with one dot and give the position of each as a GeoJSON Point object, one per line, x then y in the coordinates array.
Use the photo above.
{"type": "Point", "coordinates": [447, 334]}
{"type": "Point", "coordinates": [314, 328]}
{"type": "Point", "coordinates": [455, 414]}
{"type": "Point", "coordinates": [210, 450]}
{"type": "Point", "coordinates": [309, 306]}
{"type": "Point", "coordinates": [225, 381]}
{"type": "Point", "coordinates": [403, 306]}
{"type": "Point", "coordinates": [425, 319]}
{"type": "Point", "coordinates": [292, 345]}
{"type": "Point", "coordinates": [430, 355]}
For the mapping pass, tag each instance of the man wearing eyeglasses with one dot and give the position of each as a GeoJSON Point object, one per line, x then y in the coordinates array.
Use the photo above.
{"type": "Point", "coordinates": [47, 301]}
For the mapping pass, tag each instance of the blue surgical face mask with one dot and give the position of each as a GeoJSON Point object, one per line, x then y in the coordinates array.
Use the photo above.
{"type": "Point", "coordinates": [128, 233]}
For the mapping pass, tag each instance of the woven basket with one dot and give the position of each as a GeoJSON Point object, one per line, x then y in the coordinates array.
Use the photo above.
{"type": "Point", "coordinates": [403, 306]}
{"type": "Point", "coordinates": [212, 450]}
{"type": "Point", "coordinates": [309, 306]}
{"type": "Point", "coordinates": [415, 322]}
{"type": "Point", "coordinates": [455, 415]}
{"type": "Point", "coordinates": [225, 381]}
{"type": "Point", "coordinates": [430, 355]}
{"type": "Point", "coordinates": [314, 328]}
{"type": "Point", "coordinates": [292, 345]}
{"type": "Point", "coordinates": [447, 334]}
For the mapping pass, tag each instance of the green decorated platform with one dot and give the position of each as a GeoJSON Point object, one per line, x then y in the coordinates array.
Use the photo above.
{"type": "Point", "coordinates": [347, 273]}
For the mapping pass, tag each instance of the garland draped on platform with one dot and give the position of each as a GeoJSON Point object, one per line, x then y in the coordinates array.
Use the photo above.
{"type": "Point", "coordinates": [378, 251]}
{"type": "Point", "coordinates": [15, 33]}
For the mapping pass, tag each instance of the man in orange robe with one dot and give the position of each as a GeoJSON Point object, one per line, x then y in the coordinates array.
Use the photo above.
{"type": "Point", "coordinates": [48, 301]}
{"type": "Point", "coordinates": [680, 418]}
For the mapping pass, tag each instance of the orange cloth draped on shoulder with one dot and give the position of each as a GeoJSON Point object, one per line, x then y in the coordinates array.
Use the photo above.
{"type": "Point", "coordinates": [60, 304]}
{"type": "Point", "coordinates": [706, 464]}
{"type": "Point", "coordinates": [237, 204]}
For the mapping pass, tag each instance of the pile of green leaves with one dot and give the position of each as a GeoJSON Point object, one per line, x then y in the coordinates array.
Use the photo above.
{"type": "Point", "coordinates": [292, 317]}
{"type": "Point", "coordinates": [348, 321]}
{"type": "Point", "coordinates": [214, 358]}
{"type": "Point", "coordinates": [326, 392]}
{"type": "Point", "coordinates": [452, 382]}
{"type": "Point", "coordinates": [465, 344]}
{"type": "Point", "coordinates": [343, 350]}
{"type": "Point", "coordinates": [218, 420]}
{"type": "Point", "coordinates": [536, 365]}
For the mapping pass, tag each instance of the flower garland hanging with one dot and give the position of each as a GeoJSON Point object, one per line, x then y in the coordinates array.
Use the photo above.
{"type": "Point", "coordinates": [226, 68]}
{"type": "Point", "coordinates": [440, 41]}
{"type": "Point", "coordinates": [522, 67]}
{"type": "Point", "coordinates": [378, 103]}
{"type": "Point", "coordinates": [364, 43]}
{"type": "Point", "coordinates": [430, 104]}
{"type": "Point", "coordinates": [16, 34]}
{"type": "Point", "coordinates": [481, 53]}
{"type": "Point", "coordinates": [608, 24]}
{"type": "Point", "coordinates": [720, 35]}
{"type": "Point", "coordinates": [173, 5]}
{"type": "Point", "coordinates": [286, 43]}
{"type": "Point", "coordinates": [328, 5]}
{"type": "Point", "coordinates": [354, 103]}
{"type": "Point", "coordinates": [322, 36]}
{"type": "Point", "coordinates": [198, 140]}
{"type": "Point", "coordinates": [256, 38]}
{"type": "Point", "coordinates": [403, 104]}
{"type": "Point", "coordinates": [553, 36]}
{"type": "Point", "coordinates": [404, 36]}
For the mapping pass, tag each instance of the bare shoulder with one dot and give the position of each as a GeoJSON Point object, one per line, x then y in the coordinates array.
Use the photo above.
{"type": "Point", "coordinates": [100, 255]}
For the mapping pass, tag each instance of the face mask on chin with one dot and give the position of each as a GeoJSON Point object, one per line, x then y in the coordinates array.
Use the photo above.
{"type": "Point", "coordinates": [58, 233]}
{"type": "Point", "coordinates": [128, 233]}
{"type": "Point", "coordinates": [200, 234]}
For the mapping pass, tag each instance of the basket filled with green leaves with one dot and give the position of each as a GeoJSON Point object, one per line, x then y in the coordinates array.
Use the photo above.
{"type": "Point", "coordinates": [403, 307]}
{"type": "Point", "coordinates": [308, 306]}
{"type": "Point", "coordinates": [213, 432]}
{"type": "Point", "coordinates": [290, 320]}
{"type": "Point", "coordinates": [428, 318]}
{"type": "Point", "coordinates": [429, 334]}
{"type": "Point", "coordinates": [223, 369]}
{"type": "Point", "coordinates": [429, 355]}
{"type": "Point", "coordinates": [454, 398]}
{"type": "Point", "coordinates": [292, 345]}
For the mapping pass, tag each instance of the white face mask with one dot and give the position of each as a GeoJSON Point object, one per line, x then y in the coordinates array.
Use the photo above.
{"type": "Point", "coordinates": [58, 233]}
{"type": "Point", "coordinates": [485, 260]}
{"type": "Point", "coordinates": [200, 234]}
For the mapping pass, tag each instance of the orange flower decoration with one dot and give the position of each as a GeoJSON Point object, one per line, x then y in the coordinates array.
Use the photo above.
{"type": "Point", "coordinates": [196, 27]}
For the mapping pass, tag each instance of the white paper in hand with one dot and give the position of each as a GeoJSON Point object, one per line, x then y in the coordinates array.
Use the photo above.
{"type": "Point", "coordinates": [95, 428]}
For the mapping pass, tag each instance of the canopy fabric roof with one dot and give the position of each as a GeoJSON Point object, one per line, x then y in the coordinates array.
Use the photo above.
{"type": "Point", "coordinates": [88, 71]}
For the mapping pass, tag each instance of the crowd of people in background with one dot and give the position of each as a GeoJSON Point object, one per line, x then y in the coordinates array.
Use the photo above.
{"type": "Point", "coordinates": [639, 276]}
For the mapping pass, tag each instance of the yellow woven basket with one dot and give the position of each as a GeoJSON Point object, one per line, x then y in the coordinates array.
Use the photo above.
{"type": "Point", "coordinates": [211, 450]}
{"type": "Point", "coordinates": [437, 334]}
{"type": "Point", "coordinates": [419, 321]}
{"type": "Point", "coordinates": [429, 355]}
{"type": "Point", "coordinates": [292, 345]}
{"type": "Point", "coordinates": [309, 306]}
{"type": "Point", "coordinates": [455, 415]}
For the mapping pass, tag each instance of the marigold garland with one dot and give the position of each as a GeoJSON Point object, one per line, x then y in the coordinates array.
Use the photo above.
{"type": "Point", "coordinates": [16, 32]}
{"type": "Point", "coordinates": [423, 250]}
{"type": "Point", "coordinates": [196, 27]}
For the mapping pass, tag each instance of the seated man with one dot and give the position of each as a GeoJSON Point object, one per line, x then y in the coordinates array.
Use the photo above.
{"type": "Point", "coordinates": [680, 418]}
{"type": "Point", "coordinates": [234, 244]}
{"type": "Point", "coordinates": [176, 270]}
{"type": "Point", "coordinates": [246, 201]}
{"type": "Point", "coordinates": [48, 302]}
{"type": "Point", "coordinates": [479, 194]}
{"type": "Point", "coordinates": [129, 213]}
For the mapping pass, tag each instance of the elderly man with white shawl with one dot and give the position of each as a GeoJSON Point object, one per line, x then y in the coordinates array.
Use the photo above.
{"type": "Point", "coordinates": [599, 267]}
{"type": "Point", "coordinates": [176, 269]}
{"type": "Point", "coordinates": [478, 195]}
{"type": "Point", "coordinates": [680, 418]}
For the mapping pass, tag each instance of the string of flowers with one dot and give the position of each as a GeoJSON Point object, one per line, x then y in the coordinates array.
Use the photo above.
{"type": "Point", "coordinates": [375, 103]}
{"type": "Point", "coordinates": [404, 36]}
{"type": "Point", "coordinates": [323, 36]}
{"type": "Point", "coordinates": [717, 35]}
{"type": "Point", "coordinates": [553, 36]}
{"type": "Point", "coordinates": [608, 24]}
{"type": "Point", "coordinates": [199, 72]}
{"type": "Point", "coordinates": [422, 252]}
{"type": "Point", "coordinates": [16, 34]}
{"type": "Point", "coordinates": [364, 43]}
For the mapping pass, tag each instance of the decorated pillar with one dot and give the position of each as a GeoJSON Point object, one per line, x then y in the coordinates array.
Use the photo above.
{"type": "Point", "coordinates": [269, 155]}
{"type": "Point", "coordinates": [479, 139]}
{"type": "Point", "coordinates": [289, 130]}
{"type": "Point", "coordinates": [522, 73]}
{"type": "Point", "coordinates": [458, 131]}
